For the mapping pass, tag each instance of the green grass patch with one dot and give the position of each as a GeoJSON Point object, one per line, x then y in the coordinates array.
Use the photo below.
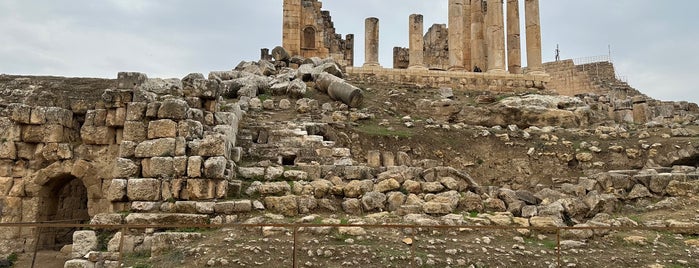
{"type": "Point", "coordinates": [264, 97]}
{"type": "Point", "coordinates": [376, 130]}
{"type": "Point", "coordinates": [138, 259]}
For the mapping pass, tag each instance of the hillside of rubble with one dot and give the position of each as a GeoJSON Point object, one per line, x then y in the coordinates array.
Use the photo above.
{"type": "Point", "coordinates": [310, 150]}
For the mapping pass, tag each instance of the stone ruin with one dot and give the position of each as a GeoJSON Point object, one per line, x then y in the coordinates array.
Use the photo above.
{"type": "Point", "coordinates": [211, 149]}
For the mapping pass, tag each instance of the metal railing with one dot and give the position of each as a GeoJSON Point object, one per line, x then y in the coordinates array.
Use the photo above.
{"type": "Point", "coordinates": [294, 227]}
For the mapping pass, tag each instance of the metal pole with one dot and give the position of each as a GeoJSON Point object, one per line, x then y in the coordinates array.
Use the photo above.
{"type": "Point", "coordinates": [294, 247]}
{"type": "Point", "coordinates": [36, 245]}
{"type": "Point", "coordinates": [558, 247]}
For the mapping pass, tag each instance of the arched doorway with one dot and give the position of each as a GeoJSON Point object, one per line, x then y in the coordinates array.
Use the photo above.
{"type": "Point", "coordinates": [62, 200]}
{"type": "Point", "coordinates": [309, 38]}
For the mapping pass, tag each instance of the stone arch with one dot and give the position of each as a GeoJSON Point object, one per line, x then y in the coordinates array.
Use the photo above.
{"type": "Point", "coordinates": [308, 38]}
{"type": "Point", "coordinates": [63, 199]}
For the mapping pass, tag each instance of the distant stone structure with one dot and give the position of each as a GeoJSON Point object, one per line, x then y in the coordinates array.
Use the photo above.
{"type": "Point", "coordinates": [472, 53]}
{"type": "Point", "coordinates": [309, 32]}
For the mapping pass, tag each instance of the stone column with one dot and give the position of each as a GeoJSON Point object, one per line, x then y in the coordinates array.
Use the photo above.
{"type": "Point", "coordinates": [496, 37]}
{"type": "Point", "coordinates": [477, 36]}
{"type": "Point", "coordinates": [514, 45]}
{"type": "Point", "coordinates": [417, 42]}
{"type": "Point", "coordinates": [456, 35]}
{"type": "Point", "coordinates": [467, 35]}
{"type": "Point", "coordinates": [371, 42]}
{"type": "Point", "coordinates": [291, 35]}
{"type": "Point", "coordinates": [534, 62]}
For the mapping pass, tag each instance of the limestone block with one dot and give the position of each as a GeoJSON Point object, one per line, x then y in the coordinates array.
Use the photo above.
{"type": "Point", "coordinates": [215, 167]}
{"type": "Point", "coordinates": [194, 165]}
{"type": "Point", "coordinates": [437, 208]}
{"type": "Point", "coordinates": [222, 189]}
{"type": "Point", "coordinates": [205, 207]}
{"type": "Point", "coordinates": [143, 189]}
{"type": "Point", "coordinates": [232, 207]}
{"type": "Point", "coordinates": [97, 135]}
{"type": "Point", "coordinates": [226, 118]}
{"type": "Point", "coordinates": [190, 129]}
{"type": "Point", "coordinates": [99, 117]}
{"type": "Point", "coordinates": [166, 218]}
{"type": "Point", "coordinates": [136, 111]}
{"type": "Point", "coordinates": [125, 168]}
{"type": "Point", "coordinates": [374, 158]}
{"type": "Point", "coordinates": [373, 201]}
{"type": "Point", "coordinates": [273, 173]}
{"type": "Point", "coordinates": [357, 188]}
{"type": "Point", "coordinates": [164, 128]}
{"type": "Point", "coordinates": [352, 206]}
{"type": "Point", "coordinates": [5, 185]}
{"type": "Point", "coordinates": [186, 206]}
{"type": "Point", "coordinates": [10, 131]}
{"type": "Point", "coordinates": [127, 149]}
{"type": "Point", "coordinates": [117, 190]}
{"type": "Point", "coordinates": [8, 150]}
{"type": "Point", "coordinates": [173, 109]}
{"type": "Point", "coordinates": [83, 242]}
{"type": "Point", "coordinates": [285, 205]}
{"type": "Point", "coordinates": [388, 159]}
{"type": "Point", "coordinates": [403, 159]}
{"type": "Point", "coordinates": [432, 187]}
{"type": "Point", "coordinates": [152, 109]}
{"type": "Point", "coordinates": [156, 148]}
{"type": "Point", "coordinates": [295, 175]}
{"type": "Point", "coordinates": [20, 113]}
{"type": "Point", "coordinates": [43, 133]}
{"type": "Point", "coordinates": [211, 145]}
{"type": "Point", "coordinates": [413, 187]}
{"type": "Point", "coordinates": [116, 117]}
{"type": "Point", "coordinates": [158, 167]}
{"type": "Point", "coordinates": [79, 264]}
{"type": "Point", "coordinates": [180, 146]}
{"type": "Point", "coordinates": [387, 185]}
{"type": "Point", "coordinates": [130, 80]}
{"type": "Point", "coordinates": [38, 116]}
{"type": "Point", "coordinates": [180, 165]}
{"type": "Point", "coordinates": [141, 206]}
{"type": "Point", "coordinates": [275, 188]}
{"type": "Point", "coordinates": [18, 188]}
{"type": "Point", "coordinates": [254, 173]}
{"type": "Point", "coordinates": [201, 189]}
{"type": "Point", "coordinates": [135, 131]}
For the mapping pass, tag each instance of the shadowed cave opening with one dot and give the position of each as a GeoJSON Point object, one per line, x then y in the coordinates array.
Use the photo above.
{"type": "Point", "coordinates": [62, 200]}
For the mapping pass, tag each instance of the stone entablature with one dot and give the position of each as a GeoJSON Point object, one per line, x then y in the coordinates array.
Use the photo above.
{"type": "Point", "coordinates": [454, 79]}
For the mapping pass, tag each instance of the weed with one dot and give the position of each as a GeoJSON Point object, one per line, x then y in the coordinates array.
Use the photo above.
{"type": "Point", "coordinates": [263, 97]}
{"type": "Point", "coordinates": [103, 238]}
{"type": "Point", "coordinates": [3, 140]}
{"type": "Point", "coordinates": [318, 220]}
{"type": "Point", "coordinates": [291, 184]}
{"type": "Point", "coordinates": [138, 259]}
{"type": "Point", "coordinates": [473, 214]}
{"type": "Point", "coordinates": [344, 221]}
{"type": "Point", "coordinates": [479, 161]}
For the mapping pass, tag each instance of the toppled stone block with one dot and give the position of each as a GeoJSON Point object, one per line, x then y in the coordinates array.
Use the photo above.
{"type": "Point", "coordinates": [285, 205]}
{"type": "Point", "coordinates": [275, 188]}
{"type": "Point", "coordinates": [98, 135]}
{"type": "Point", "coordinates": [83, 242]}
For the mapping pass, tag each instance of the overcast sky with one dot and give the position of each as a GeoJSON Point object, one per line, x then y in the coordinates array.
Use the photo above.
{"type": "Point", "coordinates": [653, 43]}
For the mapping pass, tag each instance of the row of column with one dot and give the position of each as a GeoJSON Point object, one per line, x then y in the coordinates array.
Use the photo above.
{"type": "Point", "coordinates": [476, 42]}
{"type": "Point", "coordinates": [479, 41]}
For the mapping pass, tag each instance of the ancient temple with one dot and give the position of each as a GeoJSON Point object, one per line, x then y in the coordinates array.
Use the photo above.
{"type": "Point", "coordinates": [308, 31]}
{"type": "Point", "coordinates": [476, 39]}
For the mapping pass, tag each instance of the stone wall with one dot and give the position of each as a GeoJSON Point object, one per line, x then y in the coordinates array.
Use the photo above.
{"type": "Point", "coordinates": [455, 80]}
{"type": "Point", "coordinates": [144, 141]}
{"type": "Point", "coordinates": [437, 47]}
{"type": "Point", "coordinates": [309, 32]}
{"type": "Point", "coordinates": [569, 80]}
